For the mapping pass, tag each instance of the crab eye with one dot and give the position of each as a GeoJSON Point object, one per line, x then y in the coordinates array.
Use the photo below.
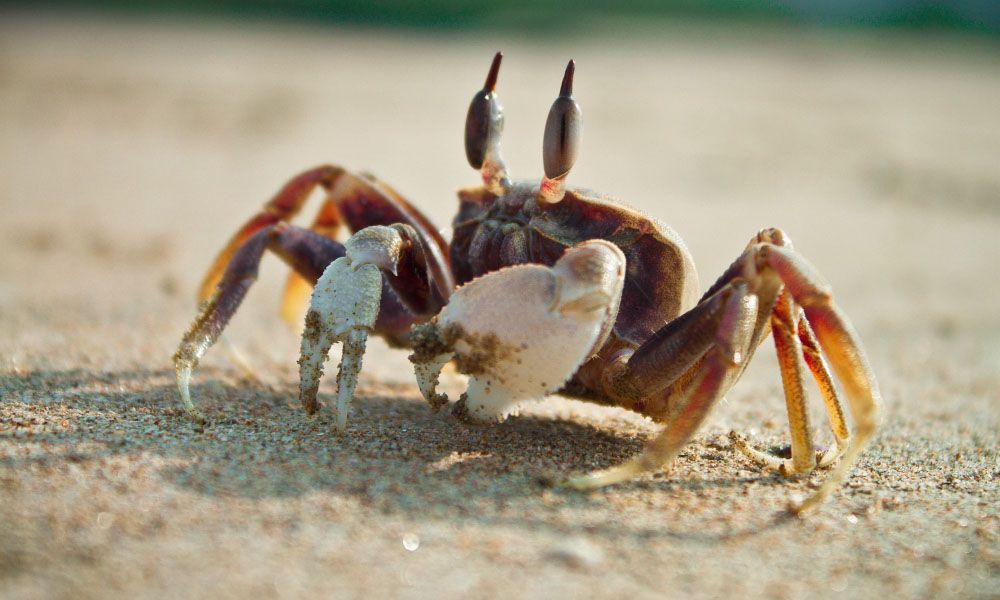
{"type": "Point", "coordinates": [563, 129]}
{"type": "Point", "coordinates": [484, 122]}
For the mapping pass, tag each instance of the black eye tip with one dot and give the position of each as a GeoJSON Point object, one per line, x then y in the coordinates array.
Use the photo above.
{"type": "Point", "coordinates": [566, 89]}
{"type": "Point", "coordinates": [491, 77]}
{"type": "Point", "coordinates": [563, 129]}
{"type": "Point", "coordinates": [484, 121]}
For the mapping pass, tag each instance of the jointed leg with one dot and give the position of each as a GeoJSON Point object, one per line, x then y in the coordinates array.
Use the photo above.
{"type": "Point", "coordinates": [838, 341]}
{"type": "Point", "coordinates": [795, 342]}
{"type": "Point", "coordinates": [422, 279]}
{"type": "Point", "coordinates": [297, 288]}
{"type": "Point", "coordinates": [783, 282]}
{"type": "Point", "coordinates": [736, 314]}
{"type": "Point", "coordinates": [842, 346]}
{"type": "Point", "coordinates": [282, 207]}
{"type": "Point", "coordinates": [788, 346]}
{"type": "Point", "coordinates": [831, 399]}
{"type": "Point", "coordinates": [357, 201]}
{"type": "Point", "coordinates": [306, 252]}
{"type": "Point", "coordinates": [310, 255]}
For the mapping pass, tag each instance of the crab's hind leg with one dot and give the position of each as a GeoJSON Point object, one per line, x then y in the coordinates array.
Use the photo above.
{"type": "Point", "coordinates": [841, 344]}
{"type": "Point", "coordinates": [788, 347]}
{"type": "Point", "coordinates": [794, 343]}
{"type": "Point", "coordinates": [307, 252]}
{"type": "Point", "coordinates": [792, 296]}
{"type": "Point", "coordinates": [713, 339]}
{"type": "Point", "coordinates": [797, 348]}
{"type": "Point", "coordinates": [813, 356]}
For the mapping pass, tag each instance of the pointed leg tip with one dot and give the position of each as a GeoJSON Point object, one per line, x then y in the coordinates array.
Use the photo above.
{"type": "Point", "coordinates": [591, 482]}
{"type": "Point", "coordinates": [794, 510]}
{"type": "Point", "coordinates": [799, 508]}
{"type": "Point", "coordinates": [576, 483]}
{"type": "Point", "coordinates": [196, 415]}
{"type": "Point", "coordinates": [183, 375]}
{"type": "Point", "coordinates": [341, 425]}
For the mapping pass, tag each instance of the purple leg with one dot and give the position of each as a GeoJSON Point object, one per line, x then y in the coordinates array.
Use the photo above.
{"type": "Point", "coordinates": [308, 253]}
{"type": "Point", "coordinates": [728, 319]}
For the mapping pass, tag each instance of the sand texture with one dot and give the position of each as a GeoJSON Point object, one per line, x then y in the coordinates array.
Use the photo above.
{"type": "Point", "coordinates": [130, 151]}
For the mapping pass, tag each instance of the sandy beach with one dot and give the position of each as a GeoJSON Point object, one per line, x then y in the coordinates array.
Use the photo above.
{"type": "Point", "coordinates": [130, 150]}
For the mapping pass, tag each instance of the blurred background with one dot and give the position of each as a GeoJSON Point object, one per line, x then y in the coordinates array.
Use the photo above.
{"type": "Point", "coordinates": [559, 15]}
{"type": "Point", "coordinates": [869, 131]}
{"type": "Point", "coordinates": [136, 136]}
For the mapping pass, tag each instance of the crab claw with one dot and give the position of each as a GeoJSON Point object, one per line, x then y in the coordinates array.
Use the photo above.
{"type": "Point", "coordinates": [344, 306]}
{"type": "Point", "coordinates": [521, 332]}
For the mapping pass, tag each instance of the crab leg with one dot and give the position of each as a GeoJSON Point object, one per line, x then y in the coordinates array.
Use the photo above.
{"type": "Point", "coordinates": [735, 311]}
{"type": "Point", "coordinates": [824, 381]}
{"type": "Point", "coordinates": [282, 207]}
{"type": "Point", "coordinates": [668, 380]}
{"type": "Point", "coordinates": [791, 364]}
{"type": "Point", "coordinates": [297, 288]}
{"type": "Point", "coordinates": [307, 252]}
{"type": "Point", "coordinates": [791, 352]}
{"type": "Point", "coordinates": [842, 346]}
{"type": "Point", "coordinates": [770, 257]}
{"type": "Point", "coordinates": [422, 283]}
{"type": "Point", "coordinates": [355, 200]}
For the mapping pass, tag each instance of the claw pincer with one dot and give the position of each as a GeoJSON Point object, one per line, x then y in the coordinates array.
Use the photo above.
{"type": "Point", "coordinates": [521, 332]}
{"type": "Point", "coordinates": [344, 308]}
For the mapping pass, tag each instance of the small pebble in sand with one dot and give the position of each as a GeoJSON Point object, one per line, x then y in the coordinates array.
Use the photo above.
{"type": "Point", "coordinates": [411, 542]}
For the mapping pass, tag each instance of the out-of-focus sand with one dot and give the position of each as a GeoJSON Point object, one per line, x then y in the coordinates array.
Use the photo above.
{"type": "Point", "coordinates": [129, 152]}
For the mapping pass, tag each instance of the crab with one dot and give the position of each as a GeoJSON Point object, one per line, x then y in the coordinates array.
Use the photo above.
{"type": "Point", "coordinates": [546, 289]}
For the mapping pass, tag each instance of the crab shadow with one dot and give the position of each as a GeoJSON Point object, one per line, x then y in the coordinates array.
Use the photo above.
{"type": "Point", "coordinates": [397, 456]}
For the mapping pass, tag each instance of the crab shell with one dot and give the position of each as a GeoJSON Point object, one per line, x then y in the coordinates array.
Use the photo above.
{"type": "Point", "coordinates": [528, 346]}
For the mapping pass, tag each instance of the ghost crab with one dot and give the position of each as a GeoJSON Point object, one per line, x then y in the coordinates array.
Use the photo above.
{"type": "Point", "coordinates": [545, 289]}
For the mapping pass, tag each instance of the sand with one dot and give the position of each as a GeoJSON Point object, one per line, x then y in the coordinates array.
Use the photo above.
{"type": "Point", "coordinates": [130, 150]}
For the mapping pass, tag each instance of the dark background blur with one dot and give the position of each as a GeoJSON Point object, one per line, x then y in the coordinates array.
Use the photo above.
{"type": "Point", "coordinates": [561, 15]}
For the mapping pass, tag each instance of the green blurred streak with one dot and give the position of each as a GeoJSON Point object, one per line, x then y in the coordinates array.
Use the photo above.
{"type": "Point", "coordinates": [561, 16]}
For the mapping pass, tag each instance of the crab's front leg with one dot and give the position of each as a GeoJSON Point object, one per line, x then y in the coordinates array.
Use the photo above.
{"type": "Point", "coordinates": [345, 305]}
{"type": "Point", "coordinates": [521, 332]}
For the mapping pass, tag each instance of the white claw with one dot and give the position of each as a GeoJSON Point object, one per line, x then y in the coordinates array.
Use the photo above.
{"type": "Point", "coordinates": [520, 333]}
{"type": "Point", "coordinates": [347, 379]}
{"type": "Point", "coordinates": [428, 371]}
{"type": "Point", "coordinates": [344, 306]}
